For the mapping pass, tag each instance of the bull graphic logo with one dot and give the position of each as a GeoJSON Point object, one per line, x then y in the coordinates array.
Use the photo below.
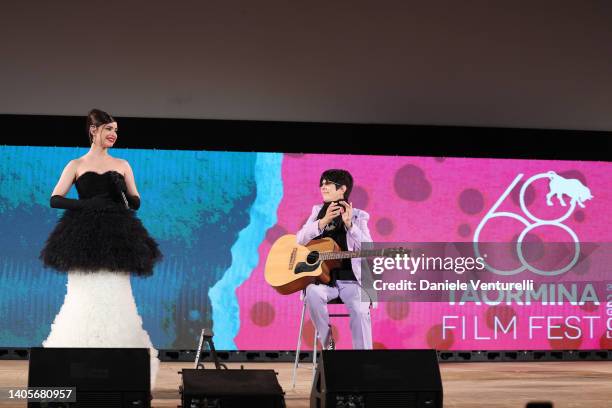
{"type": "Point", "coordinates": [572, 188]}
{"type": "Point", "coordinates": [559, 187]}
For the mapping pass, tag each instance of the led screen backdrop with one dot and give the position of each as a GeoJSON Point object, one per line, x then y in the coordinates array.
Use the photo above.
{"type": "Point", "coordinates": [216, 215]}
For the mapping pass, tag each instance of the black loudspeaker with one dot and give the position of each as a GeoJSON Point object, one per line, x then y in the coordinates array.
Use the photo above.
{"type": "Point", "coordinates": [103, 377]}
{"type": "Point", "coordinates": [376, 379]}
{"type": "Point", "coordinates": [205, 388]}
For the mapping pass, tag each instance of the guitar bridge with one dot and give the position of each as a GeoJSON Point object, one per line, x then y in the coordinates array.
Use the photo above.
{"type": "Point", "coordinates": [292, 258]}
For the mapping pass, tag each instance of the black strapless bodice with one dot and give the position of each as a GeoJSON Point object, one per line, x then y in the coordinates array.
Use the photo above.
{"type": "Point", "coordinates": [102, 238]}
{"type": "Point", "coordinates": [91, 184]}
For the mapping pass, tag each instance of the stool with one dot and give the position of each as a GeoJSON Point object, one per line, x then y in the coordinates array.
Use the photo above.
{"type": "Point", "coordinates": [335, 301]}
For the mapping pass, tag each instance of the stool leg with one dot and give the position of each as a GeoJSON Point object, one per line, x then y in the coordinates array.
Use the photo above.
{"type": "Point", "coordinates": [299, 345]}
{"type": "Point", "coordinates": [331, 343]}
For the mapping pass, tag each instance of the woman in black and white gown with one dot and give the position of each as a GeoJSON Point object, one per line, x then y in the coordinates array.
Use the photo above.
{"type": "Point", "coordinates": [99, 242]}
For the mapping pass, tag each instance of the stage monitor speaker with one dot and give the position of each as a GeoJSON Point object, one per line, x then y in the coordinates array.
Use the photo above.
{"type": "Point", "coordinates": [103, 377]}
{"type": "Point", "coordinates": [207, 388]}
{"type": "Point", "coordinates": [376, 379]}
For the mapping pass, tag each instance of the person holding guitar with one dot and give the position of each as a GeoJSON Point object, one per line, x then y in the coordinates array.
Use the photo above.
{"type": "Point", "coordinates": [337, 219]}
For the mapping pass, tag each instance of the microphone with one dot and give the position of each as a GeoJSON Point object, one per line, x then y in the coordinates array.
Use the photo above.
{"type": "Point", "coordinates": [125, 201]}
{"type": "Point", "coordinates": [118, 184]}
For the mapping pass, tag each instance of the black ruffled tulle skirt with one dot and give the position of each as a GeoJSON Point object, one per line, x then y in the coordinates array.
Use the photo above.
{"type": "Point", "coordinates": [101, 239]}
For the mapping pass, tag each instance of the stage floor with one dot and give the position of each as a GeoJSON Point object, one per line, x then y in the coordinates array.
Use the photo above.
{"type": "Point", "coordinates": [466, 385]}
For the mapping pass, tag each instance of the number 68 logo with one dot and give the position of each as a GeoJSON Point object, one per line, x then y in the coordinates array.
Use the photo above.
{"type": "Point", "coordinates": [559, 187]}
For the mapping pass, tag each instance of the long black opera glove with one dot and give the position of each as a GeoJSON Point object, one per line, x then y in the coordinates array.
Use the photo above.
{"type": "Point", "coordinates": [58, 201]}
{"type": "Point", "coordinates": [133, 201]}
{"type": "Point", "coordinates": [118, 182]}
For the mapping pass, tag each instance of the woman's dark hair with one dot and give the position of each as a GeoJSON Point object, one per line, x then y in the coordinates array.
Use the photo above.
{"type": "Point", "coordinates": [341, 177]}
{"type": "Point", "coordinates": [97, 117]}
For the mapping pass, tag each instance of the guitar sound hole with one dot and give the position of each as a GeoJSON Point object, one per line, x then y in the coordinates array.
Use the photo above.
{"type": "Point", "coordinates": [312, 257]}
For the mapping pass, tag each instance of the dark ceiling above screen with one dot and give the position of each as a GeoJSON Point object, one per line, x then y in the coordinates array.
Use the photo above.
{"type": "Point", "coordinates": [533, 64]}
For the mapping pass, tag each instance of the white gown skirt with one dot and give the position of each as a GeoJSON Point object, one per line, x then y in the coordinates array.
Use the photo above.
{"type": "Point", "coordinates": [99, 311]}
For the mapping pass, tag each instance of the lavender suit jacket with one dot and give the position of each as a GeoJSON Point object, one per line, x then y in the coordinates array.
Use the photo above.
{"type": "Point", "coordinates": [357, 234]}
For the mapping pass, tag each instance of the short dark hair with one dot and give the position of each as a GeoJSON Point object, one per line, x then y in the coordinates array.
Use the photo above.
{"type": "Point", "coordinates": [341, 177]}
{"type": "Point", "coordinates": [97, 117]}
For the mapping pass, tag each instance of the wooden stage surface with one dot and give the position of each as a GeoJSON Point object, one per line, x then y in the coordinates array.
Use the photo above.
{"type": "Point", "coordinates": [466, 385]}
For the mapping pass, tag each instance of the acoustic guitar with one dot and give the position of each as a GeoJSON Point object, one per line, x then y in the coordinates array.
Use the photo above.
{"type": "Point", "coordinates": [291, 267]}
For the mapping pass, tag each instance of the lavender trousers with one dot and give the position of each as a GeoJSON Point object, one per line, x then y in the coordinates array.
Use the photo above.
{"type": "Point", "coordinates": [357, 303]}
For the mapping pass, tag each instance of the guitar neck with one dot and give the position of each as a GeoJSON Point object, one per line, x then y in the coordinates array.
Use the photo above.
{"type": "Point", "coordinates": [366, 253]}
